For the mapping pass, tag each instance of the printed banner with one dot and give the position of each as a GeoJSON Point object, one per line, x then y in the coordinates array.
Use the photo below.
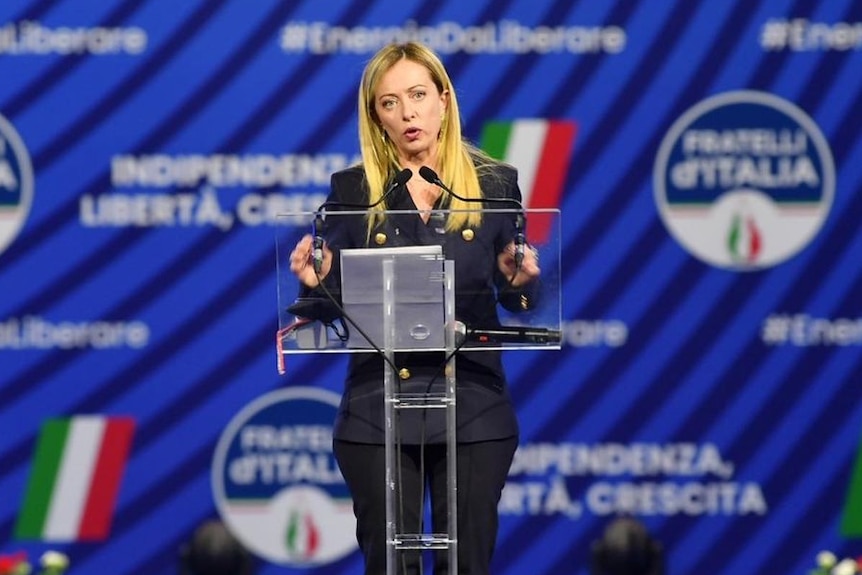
{"type": "Point", "coordinates": [706, 159]}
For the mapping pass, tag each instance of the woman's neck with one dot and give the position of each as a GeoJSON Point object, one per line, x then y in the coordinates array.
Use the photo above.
{"type": "Point", "coordinates": [416, 161]}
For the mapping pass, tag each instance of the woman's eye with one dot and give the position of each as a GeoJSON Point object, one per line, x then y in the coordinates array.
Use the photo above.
{"type": "Point", "coordinates": [418, 95]}
{"type": "Point", "coordinates": [388, 104]}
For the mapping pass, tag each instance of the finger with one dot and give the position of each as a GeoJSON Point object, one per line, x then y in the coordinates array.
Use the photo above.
{"type": "Point", "coordinates": [299, 259]}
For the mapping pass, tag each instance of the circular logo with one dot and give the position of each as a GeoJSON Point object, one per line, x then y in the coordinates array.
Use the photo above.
{"type": "Point", "coordinates": [276, 483]}
{"type": "Point", "coordinates": [744, 180]}
{"type": "Point", "coordinates": [16, 183]}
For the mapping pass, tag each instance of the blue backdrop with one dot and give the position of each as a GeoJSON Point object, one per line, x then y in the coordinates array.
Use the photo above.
{"type": "Point", "coordinates": [714, 393]}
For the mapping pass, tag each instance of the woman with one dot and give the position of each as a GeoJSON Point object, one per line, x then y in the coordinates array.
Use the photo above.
{"type": "Point", "coordinates": [408, 118]}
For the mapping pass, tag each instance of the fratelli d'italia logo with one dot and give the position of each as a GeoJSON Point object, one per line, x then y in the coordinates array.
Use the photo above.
{"type": "Point", "coordinates": [541, 151]}
{"type": "Point", "coordinates": [16, 184]}
{"type": "Point", "coordinates": [744, 180]}
{"type": "Point", "coordinates": [276, 483]}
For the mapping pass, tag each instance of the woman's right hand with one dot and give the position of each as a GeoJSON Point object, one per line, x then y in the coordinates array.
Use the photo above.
{"type": "Point", "coordinates": [302, 262]}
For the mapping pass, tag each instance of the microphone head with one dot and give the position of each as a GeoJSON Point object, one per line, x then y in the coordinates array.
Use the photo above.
{"type": "Point", "coordinates": [429, 175]}
{"type": "Point", "coordinates": [402, 177]}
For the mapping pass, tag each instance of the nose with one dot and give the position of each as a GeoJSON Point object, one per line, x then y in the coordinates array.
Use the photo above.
{"type": "Point", "coordinates": [409, 111]}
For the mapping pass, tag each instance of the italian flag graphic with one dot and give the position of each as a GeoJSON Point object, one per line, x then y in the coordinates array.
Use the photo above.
{"type": "Point", "coordinates": [303, 535]}
{"type": "Point", "coordinates": [75, 478]}
{"type": "Point", "coordinates": [851, 521]}
{"type": "Point", "coordinates": [744, 241]}
{"type": "Point", "coordinates": [541, 151]}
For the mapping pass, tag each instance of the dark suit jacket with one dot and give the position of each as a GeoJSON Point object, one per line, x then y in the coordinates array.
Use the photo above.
{"type": "Point", "coordinates": [484, 409]}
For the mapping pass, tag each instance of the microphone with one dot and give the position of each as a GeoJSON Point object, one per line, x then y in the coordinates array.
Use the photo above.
{"type": "Point", "coordinates": [431, 177]}
{"type": "Point", "coordinates": [506, 334]}
{"type": "Point", "coordinates": [520, 239]}
{"type": "Point", "coordinates": [317, 227]}
{"type": "Point", "coordinates": [399, 180]}
{"type": "Point", "coordinates": [317, 243]}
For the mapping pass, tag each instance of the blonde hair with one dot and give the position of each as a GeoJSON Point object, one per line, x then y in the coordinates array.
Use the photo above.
{"type": "Point", "coordinates": [458, 160]}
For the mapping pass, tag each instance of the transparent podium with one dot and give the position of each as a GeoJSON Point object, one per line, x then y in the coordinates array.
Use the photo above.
{"type": "Point", "coordinates": [389, 298]}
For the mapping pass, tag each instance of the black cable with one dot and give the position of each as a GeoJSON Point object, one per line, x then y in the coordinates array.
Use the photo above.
{"type": "Point", "coordinates": [345, 316]}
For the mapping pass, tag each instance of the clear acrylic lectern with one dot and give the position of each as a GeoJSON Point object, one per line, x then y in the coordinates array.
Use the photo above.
{"type": "Point", "coordinates": [389, 299]}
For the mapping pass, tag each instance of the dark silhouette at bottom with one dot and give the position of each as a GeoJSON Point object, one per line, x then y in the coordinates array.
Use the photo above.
{"type": "Point", "coordinates": [627, 548]}
{"type": "Point", "coordinates": [213, 550]}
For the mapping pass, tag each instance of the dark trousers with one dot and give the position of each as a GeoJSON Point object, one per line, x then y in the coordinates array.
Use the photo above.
{"type": "Point", "coordinates": [482, 471]}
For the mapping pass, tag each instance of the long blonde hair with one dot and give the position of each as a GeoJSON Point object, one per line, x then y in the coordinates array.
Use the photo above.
{"type": "Point", "coordinates": [458, 160]}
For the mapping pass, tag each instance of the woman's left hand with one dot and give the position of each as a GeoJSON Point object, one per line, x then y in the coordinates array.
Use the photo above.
{"type": "Point", "coordinates": [529, 269]}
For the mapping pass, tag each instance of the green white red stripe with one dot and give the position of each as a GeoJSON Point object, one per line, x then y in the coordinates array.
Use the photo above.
{"type": "Point", "coordinates": [541, 151]}
{"type": "Point", "coordinates": [744, 241]}
{"type": "Point", "coordinates": [851, 520]}
{"type": "Point", "coordinates": [303, 535]}
{"type": "Point", "coordinates": [75, 478]}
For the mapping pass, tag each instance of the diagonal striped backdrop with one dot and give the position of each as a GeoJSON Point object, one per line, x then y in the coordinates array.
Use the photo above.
{"type": "Point", "coordinates": [218, 77]}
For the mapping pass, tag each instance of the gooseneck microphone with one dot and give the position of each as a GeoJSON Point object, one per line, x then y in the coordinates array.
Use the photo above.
{"type": "Point", "coordinates": [399, 180]}
{"type": "Point", "coordinates": [431, 177]}
{"type": "Point", "coordinates": [317, 227]}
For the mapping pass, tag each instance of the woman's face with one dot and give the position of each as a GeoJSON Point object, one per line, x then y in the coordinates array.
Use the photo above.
{"type": "Point", "coordinates": [410, 109]}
